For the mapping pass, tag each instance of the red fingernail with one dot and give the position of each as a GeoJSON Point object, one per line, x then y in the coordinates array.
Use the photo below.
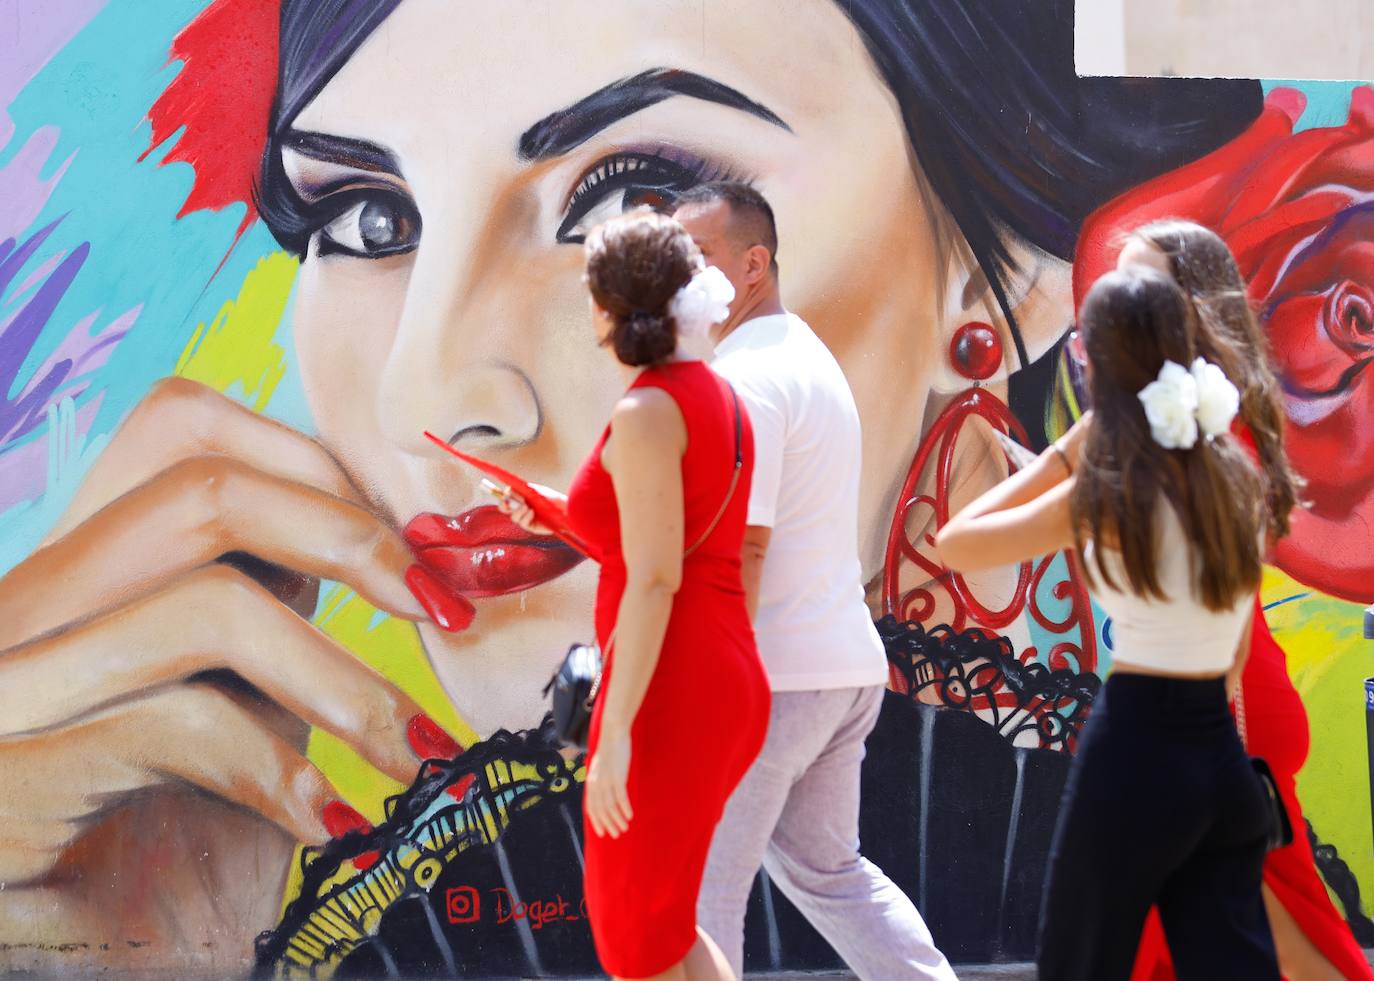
{"type": "Point", "coordinates": [460, 787]}
{"type": "Point", "coordinates": [366, 860]}
{"type": "Point", "coordinates": [339, 819]}
{"type": "Point", "coordinates": [429, 741]}
{"type": "Point", "coordinates": [449, 611]}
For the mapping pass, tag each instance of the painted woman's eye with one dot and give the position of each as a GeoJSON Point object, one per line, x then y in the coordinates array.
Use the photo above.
{"type": "Point", "coordinates": [622, 182]}
{"type": "Point", "coordinates": [371, 227]}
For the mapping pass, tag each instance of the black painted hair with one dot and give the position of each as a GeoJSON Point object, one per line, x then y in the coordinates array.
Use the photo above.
{"type": "Point", "coordinates": [1008, 135]}
{"type": "Point", "coordinates": [317, 38]}
{"type": "Point", "coordinates": [1013, 143]}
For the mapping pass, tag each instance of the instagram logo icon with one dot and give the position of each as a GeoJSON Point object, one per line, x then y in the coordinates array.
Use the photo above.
{"type": "Point", "coordinates": [463, 904]}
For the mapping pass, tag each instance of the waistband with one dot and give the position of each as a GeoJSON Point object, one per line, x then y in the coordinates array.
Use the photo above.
{"type": "Point", "coordinates": [1207, 695]}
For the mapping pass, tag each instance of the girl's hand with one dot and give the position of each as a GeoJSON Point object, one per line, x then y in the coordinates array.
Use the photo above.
{"type": "Point", "coordinates": [1072, 441]}
{"type": "Point", "coordinates": [514, 507]}
{"type": "Point", "coordinates": [607, 797]}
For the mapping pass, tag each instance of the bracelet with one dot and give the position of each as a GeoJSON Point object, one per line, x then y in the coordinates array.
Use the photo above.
{"type": "Point", "coordinates": [1064, 457]}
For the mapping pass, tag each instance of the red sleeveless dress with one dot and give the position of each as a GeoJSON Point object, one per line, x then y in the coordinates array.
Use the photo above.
{"type": "Point", "coordinates": [1276, 729]}
{"type": "Point", "coordinates": [705, 713]}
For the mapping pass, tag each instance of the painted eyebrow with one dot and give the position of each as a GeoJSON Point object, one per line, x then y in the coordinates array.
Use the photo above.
{"type": "Point", "coordinates": [566, 129]}
{"type": "Point", "coordinates": [357, 154]}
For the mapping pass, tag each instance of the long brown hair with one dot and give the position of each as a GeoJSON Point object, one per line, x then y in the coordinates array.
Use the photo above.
{"type": "Point", "coordinates": [1132, 322]}
{"type": "Point", "coordinates": [1230, 335]}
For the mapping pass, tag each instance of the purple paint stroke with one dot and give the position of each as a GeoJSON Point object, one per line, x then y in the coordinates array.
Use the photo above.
{"type": "Point", "coordinates": [20, 332]}
{"type": "Point", "coordinates": [44, 270]}
{"type": "Point", "coordinates": [31, 32]}
{"type": "Point", "coordinates": [18, 337]}
{"type": "Point", "coordinates": [24, 192]}
{"type": "Point", "coordinates": [24, 468]}
{"type": "Point", "coordinates": [66, 370]}
{"type": "Point", "coordinates": [87, 352]}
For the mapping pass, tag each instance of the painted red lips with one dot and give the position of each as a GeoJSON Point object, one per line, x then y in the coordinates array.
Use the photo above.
{"type": "Point", "coordinates": [483, 553]}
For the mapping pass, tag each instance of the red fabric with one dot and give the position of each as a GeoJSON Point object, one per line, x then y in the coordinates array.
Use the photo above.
{"type": "Point", "coordinates": [1276, 729]}
{"type": "Point", "coordinates": [707, 700]}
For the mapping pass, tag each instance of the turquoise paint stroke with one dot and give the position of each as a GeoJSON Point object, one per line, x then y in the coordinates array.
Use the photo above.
{"type": "Point", "coordinates": [97, 91]}
{"type": "Point", "coordinates": [1328, 103]}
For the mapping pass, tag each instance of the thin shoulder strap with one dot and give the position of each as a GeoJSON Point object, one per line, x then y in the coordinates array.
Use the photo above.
{"type": "Point", "coordinates": [729, 495]}
{"type": "Point", "coordinates": [734, 476]}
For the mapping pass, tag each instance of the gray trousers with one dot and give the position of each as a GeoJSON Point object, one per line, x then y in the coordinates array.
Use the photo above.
{"type": "Point", "coordinates": [797, 812]}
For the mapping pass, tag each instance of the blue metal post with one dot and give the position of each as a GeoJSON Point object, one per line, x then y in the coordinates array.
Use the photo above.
{"type": "Point", "coordinates": [1369, 711]}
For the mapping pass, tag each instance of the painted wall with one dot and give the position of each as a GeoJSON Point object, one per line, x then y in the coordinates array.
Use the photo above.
{"type": "Point", "coordinates": [1241, 37]}
{"type": "Point", "coordinates": [1224, 38]}
{"type": "Point", "coordinates": [212, 470]}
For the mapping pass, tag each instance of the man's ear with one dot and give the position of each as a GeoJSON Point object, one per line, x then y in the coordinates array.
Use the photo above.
{"type": "Point", "coordinates": [758, 263]}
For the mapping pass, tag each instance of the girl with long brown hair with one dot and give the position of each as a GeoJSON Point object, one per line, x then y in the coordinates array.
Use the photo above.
{"type": "Point", "coordinates": [1168, 516]}
{"type": "Point", "coordinates": [1313, 942]}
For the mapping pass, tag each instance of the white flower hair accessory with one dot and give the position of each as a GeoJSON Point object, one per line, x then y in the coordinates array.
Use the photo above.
{"type": "Point", "coordinates": [702, 303]}
{"type": "Point", "coordinates": [1218, 400]}
{"type": "Point", "coordinates": [1180, 403]}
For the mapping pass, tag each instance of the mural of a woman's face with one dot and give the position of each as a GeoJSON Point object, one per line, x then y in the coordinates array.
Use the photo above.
{"type": "Point", "coordinates": [448, 297]}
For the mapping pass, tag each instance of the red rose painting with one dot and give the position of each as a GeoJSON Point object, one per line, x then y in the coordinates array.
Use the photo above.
{"type": "Point", "coordinates": [1297, 209]}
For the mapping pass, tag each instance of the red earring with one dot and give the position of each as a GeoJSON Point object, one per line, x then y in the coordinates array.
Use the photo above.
{"type": "Point", "coordinates": [976, 351]}
{"type": "Point", "coordinates": [916, 587]}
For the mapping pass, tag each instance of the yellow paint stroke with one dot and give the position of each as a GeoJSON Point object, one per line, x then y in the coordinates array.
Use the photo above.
{"type": "Point", "coordinates": [236, 354]}
{"type": "Point", "coordinates": [392, 647]}
{"type": "Point", "coordinates": [1328, 660]}
{"type": "Point", "coordinates": [236, 350]}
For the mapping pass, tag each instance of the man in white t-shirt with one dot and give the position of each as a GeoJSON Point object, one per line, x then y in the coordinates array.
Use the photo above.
{"type": "Point", "coordinates": [797, 809]}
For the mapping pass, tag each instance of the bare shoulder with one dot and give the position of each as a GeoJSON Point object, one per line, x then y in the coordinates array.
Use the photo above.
{"type": "Point", "coordinates": [644, 416]}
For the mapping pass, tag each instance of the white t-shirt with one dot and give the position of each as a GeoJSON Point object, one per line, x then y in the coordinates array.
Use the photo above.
{"type": "Point", "coordinates": [813, 626]}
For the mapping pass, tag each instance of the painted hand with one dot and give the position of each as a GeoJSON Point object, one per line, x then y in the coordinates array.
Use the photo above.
{"type": "Point", "coordinates": [142, 680]}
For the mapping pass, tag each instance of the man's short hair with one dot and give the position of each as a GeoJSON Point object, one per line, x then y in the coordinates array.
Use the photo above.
{"type": "Point", "coordinates": [751, 216]}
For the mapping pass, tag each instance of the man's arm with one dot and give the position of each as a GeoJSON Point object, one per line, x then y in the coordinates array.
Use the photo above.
{"type": "Point", "coordinates": [751, 560]}
{"type": "Point", "coordinates": [769, 423]}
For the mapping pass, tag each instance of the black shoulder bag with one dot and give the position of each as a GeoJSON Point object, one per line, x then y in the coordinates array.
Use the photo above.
{"type": "Point", "coordinates": [574, 687]}
{"type": "Point", "coordinates": [1280, 827]}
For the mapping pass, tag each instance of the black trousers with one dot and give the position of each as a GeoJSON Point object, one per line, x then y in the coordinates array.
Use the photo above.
{"type": "Point", "coordinates": [1161, 806]}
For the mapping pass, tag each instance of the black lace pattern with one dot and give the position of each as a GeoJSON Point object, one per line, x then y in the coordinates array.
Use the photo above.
{"type": "Point", "coordinates": [1026, 702]}
{"type": "Point", "coordinates": [454, 808]}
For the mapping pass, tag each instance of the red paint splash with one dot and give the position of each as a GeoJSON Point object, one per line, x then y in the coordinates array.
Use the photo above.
{"type": "Point", "coordinates": [221, 100]}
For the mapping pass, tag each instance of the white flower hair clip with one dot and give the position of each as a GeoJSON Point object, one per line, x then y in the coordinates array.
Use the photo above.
{"type": "Point", "coordinates": [702, 303]}
{"type": "Point", "coordinates": [1180, 403]}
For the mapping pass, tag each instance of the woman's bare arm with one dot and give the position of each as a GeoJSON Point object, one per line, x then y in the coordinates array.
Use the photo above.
{"type": "Point", "coordinates": [1025, 516]}
{"type": "Point", "coordinates": [645, 462]}
{"type": "Point", "coordinates": [644, 458]}
{"type": "Point", "coordinates": [1242, 655]}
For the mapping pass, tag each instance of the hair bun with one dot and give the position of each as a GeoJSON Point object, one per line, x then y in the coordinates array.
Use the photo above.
{"type": "Point", "coordinates": [644, 337]}
{"type": "Point", "coordinates": [635, 266]}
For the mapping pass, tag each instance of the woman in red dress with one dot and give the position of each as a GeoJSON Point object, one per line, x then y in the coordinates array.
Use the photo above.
{"type": "Point", "coordinates": [1313, 942]}
{"type": "Point", "coordinates": [662, 500]}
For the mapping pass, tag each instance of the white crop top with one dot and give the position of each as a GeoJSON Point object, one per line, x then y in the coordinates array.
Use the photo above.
{"type": "Point", "coordinates": [1177, 635]}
